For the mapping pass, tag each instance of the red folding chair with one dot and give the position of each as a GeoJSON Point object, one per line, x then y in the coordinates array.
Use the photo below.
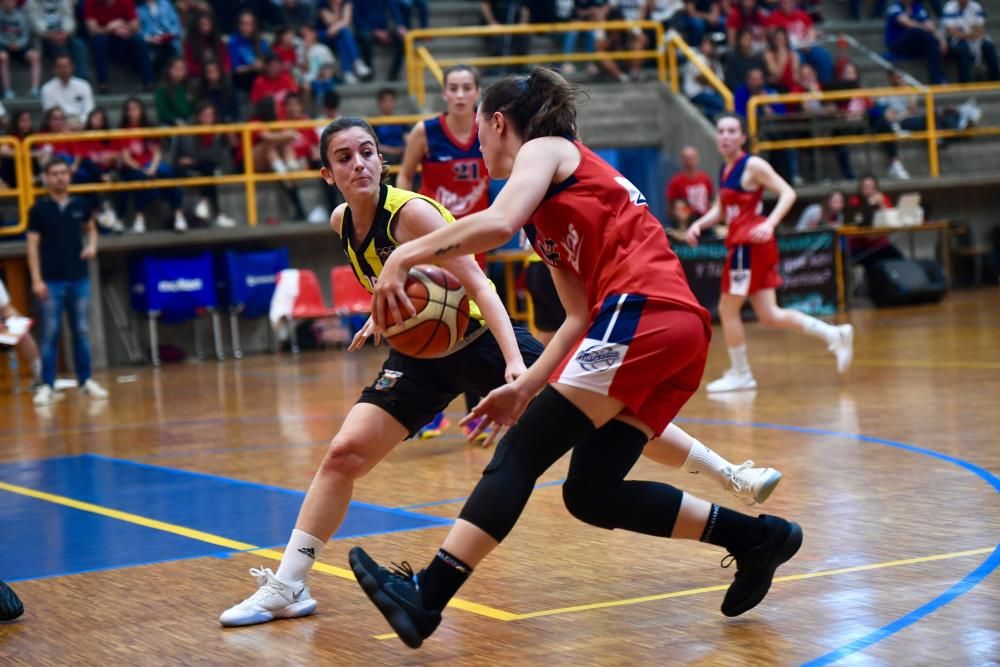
{"type": "Point", "coordinates": [349, 297]}
{"type": "Point", "coordinates": [308, 305]}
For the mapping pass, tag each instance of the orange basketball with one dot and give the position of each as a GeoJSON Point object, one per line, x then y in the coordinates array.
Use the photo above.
{"type": "Point", "coordinates": [442, 314]}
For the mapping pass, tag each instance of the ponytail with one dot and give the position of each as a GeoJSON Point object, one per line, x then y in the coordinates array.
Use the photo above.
{"type": "Point", "coordinates": [541, 104]}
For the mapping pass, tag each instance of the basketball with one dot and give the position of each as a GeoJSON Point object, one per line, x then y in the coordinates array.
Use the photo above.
{"type": "Point", "coordinates": [442, 314]}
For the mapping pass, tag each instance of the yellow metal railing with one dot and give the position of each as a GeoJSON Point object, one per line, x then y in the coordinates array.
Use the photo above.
{"type": "Point", "coordinates": [674, 43]}
{"type": "Point", "coordinates": [931, 135]}
{"type": "Point", "coordinates": [27, 191]}
{"type": "Point", "coordinates": [418, 57]}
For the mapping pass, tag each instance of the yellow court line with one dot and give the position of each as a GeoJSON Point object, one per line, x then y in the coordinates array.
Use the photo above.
{"type": "Point", "coordinates": [343, 573]}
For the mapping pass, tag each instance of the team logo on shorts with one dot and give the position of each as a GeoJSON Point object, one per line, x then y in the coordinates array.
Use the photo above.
{"type": "Point", "coordinates": [599, 357]}
{"type": "Point", "coordinates": [387, 380]}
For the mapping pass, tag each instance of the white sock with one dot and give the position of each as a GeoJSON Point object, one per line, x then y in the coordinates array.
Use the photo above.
{"type": "Point", "coordinates": [820, 329]}
{"type": "Point", "coordinates": [738, 360]}
{"type": "Point", "coordinates": [701, 459]}
{"type": "Point", "coordinates": [302, 551]}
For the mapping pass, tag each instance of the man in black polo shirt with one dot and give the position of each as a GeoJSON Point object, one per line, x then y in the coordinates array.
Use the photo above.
{"type": "Point", "coordinates": [57, 258]}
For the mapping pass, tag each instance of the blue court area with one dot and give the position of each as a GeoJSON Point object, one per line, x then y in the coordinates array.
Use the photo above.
{"type": "Point", "coordinates": [44, 539]}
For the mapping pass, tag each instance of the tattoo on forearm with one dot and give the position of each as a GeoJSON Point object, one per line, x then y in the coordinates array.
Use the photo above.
{"type": "Point", "coordinates": [445, 250]}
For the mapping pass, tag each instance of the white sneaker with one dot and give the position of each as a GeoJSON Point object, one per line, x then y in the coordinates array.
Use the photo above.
{"type": "Point", "coordinates": [843, 347]}
{"type": "Point", "coordinates": [898, 171]}
{"type": "Point", "coordinates": [43, 395]}
{"type": "Point", "coordinates": [274, 599]}
{"type": "Point", "coordinates": [733, 380]}
{"type": "Point", "coordinates": [180, 222]}
{"type": "Point", "coordinates": [751, 485]}
{"type": "Point", "coordinates": [202, 210]}
{"type": "Point", "coordinates": [223, 220]}
{"type": "Point", "coordinates": [139, 226]}
{"type": "Point", "coordinates": [94, 390]}
{"type": "Point", "coordinates": [349, 77]}
{"type": "Point", "coordinates": [361, 68]}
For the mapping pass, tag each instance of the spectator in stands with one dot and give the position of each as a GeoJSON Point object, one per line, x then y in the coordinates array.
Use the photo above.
{"type": "Point", "coordinates": [782, 62]}
{"type": "Point", "coordinates": [57, 259]}
{"type": "Point", "coordinates": [828, 215]}
{"type": "Point", "coordinates": [227, 12]}
{"type": "Point", "coordinates": [746, 15]}
{"type": "Point", "coordinates": [160, 26]}
{"type": "Point", "coordinates": [71, 94]}
{"type": "Point", "coordinates": [407, 7]}
{"type": "Point", "coordinates": [391, 138]}
{"type": "Point", "coordinates": [306, 145]}
{"type": "Point", "coordinates": [336, 19]}
{"type": "Point", "coordinates": [691, 184]}
{"type": "Point", "coordinates": [379, 22]}
{"type": "Point", "coordinates": [203, 43]}
{"type": "Point", "coordinates": [53, 122]}
{"type": "Point", "coordinates": [741, 59]}
{"type": "Point", "coordinates": [505, 12]}
{"type": "Point", "coordinates": [295, 13]}
{"type": "Point", "coordinates": [274, 151]}
{"type": "Point", "coordinates": [286, 47]}
{"type": "Point", "coordinates": [698, 19]}
{"type": "Point", "coordinates": [696, 86]}
{"type": "Point", "coordinates": [16, 42]}
{"type": "Point", "coordinates": [331, 111]}
{"type": "Point", "coordinates": [965, 26]}
{"type": "Point", "coordinates": [188, 9]}
{"type": "Point", "coordinates": [678, 220]}
{"type": "Point", "coordinates": [54, 23]}
{"type": "Point", "coordinates": [19, 127]}
{"type": "Point", "coordinates": [317, 64]}
{"type": "Point", "coordinates": [583, 10]}
{"type": "Point", "coordinates": [899, 114]}
{"type": "Point", "coordinates": [786, 162]}
{"type": "Point", "coordinates": [809, 83]}
{"type": "Point", "coordinates": [215, 87]}
{"type": "Point", "coordinates": [142, 160]}
{"type": "Point", "coordinates": [802, 36]}
{"type": "Point", "coordinates": [204, 155]}
{"type": "Point", "coordinates": [275, 82]}
{"type": "Point", "coordinates": [247, 52]}
{"type": "Point", "coordinates": [173, 101]}
{"type": "Point", "coordinates": [910, 34]}
{"type": "Point", "coordinates": [95, 162]}
{"type": "Point", "coordinates": [862, 208]}
{"type": "Point", "coordinates": [632, 40]}
{"type": "Point", "coordinates": [113, 25]}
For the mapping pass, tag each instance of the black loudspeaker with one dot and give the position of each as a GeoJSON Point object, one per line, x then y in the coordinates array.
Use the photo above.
{"type": "Point", "coordinates": [901, 282]}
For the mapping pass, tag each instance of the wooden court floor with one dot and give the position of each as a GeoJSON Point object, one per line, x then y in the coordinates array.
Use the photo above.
{"type": "Point", "coordinates": [128, 526]}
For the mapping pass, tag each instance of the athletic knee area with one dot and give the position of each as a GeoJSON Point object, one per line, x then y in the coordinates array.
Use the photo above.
{"type": "Point", "coordinates": [587, 501]}
{"type": "Point", "coordinates": [345, 457]}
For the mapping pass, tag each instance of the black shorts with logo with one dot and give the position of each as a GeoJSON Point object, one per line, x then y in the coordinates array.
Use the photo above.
{"type": "Point", "coordinates": [414, 390]}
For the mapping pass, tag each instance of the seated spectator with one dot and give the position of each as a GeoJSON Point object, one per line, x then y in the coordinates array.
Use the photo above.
{"type": "Point", "coordinates": [215, 87]}
{"type": "Point", "coordinates": [286, 46]}
{"type": "Point", "coordinates": [899, 114]}
{"type": "Point", "coordinates": [741, 59]}
{"type": "Point", "coordinates": [71, 94]}
{"type": "Point", "coordinates": [95, 162]}
{"type": "Point", "coordinates": [691, 184]}
{"type": "Point", "coordinates": [188, 9]}
{"type": "Point", "coordinates": [142, 160]}
{"type": "Point", "coordinates": [782, 62]}
{"type": "Point", "coordinates": [247, 52]}
{"type": "Point", "coordinates": [306, 145]}
{"type": "Point", "coordinates": [407, 7]}
{"type": "Point", "coordinates": [19, 127]}
{"type": "Point", "coordinates": [53, 122]}
{"type": "Point", "coordinates": [678, 220]}
{"type": "Point", "coordinates": [204, 155]}
{"type": "Point", "coordinates": [802, 37]}
{"type": "Point", "coordinates": [54, 23]}
{"type": "Point", "coordinates": [16, 42]}
{"type": "Point", "coordinates": [336, 19]}
{"type": "Point", "coordinates": [294, 13]}
{"type": "Point", "coordinates": [331, 111]}
{"type": "Point", "coordinates": [809, 82]}
{"type": "Point", "coordinates": [274, 82]}
{"type": "Point", "coordinates": [862, 208]}
{"type": "Point", "coordinates": [313, 57]}
{"type": "Point", "coordinates": [746, 15]}
{"type": "Point", "coordinates": [161, 28]}
{"type": "Point", "coordinates": [698, 19]}
{"type": "Point", "coordinates": [391, 138]}
{"type": "Point", "coordinates": [965, 26]}
{"type": "Point", "coordinates": [632, 40]}
{"type": "Point", "coordinates": [505, 12]}
{"type": "Point", "coordinates": [274, 151]}
{"type": "Point", "coordinates": [173, 102]}
{"type": "Point", "coordinates": [786, 162]}
{"type": "Point", "coordinates": [828, 215]}
{"type": "Point", "coordinates": [378, 22]}
{"type": "Point", "coordinates": [910, 34]}
{"type": "Point", "coordinates": [227, 12]}
{"type": "Point", "coordinates": [203, 43]}
{"type": "Point", "coordinates": [113, 25]}
{"type": "Point", "coordinates": [583, 10]}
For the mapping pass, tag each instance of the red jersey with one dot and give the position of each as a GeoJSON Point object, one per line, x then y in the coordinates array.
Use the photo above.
{"type": "Point", "coordinates": [742, 210]}
{"type": "Point", "coordinates": [696, 190]}
{"type": "Point", "coordinates": [797, 24]}
{"type": "Point", "coordinates": [597, 225]}
{"type": "Point", "coordinates": [278, 89]}
{"type": "Point", "coordinates": [454, 173]}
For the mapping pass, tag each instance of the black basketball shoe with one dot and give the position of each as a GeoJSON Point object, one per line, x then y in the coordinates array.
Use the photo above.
{"type": "Point", "coordinates": [755, 567]}
{"type": "Point", "coordinates": [397, 595]}
{"type": "Point", "coordinates": [10, 604]}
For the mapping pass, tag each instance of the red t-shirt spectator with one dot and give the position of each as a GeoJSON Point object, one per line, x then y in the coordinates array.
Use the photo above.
{"type": "Point", "coordinates": [755, 22]}
{"type": "Point", "coordinates": [140, 150]}
{"type": "Point", "coordinates": [220, 54]}
{"type": "Point", "coordinates": [287, 55]}
{"type": "Point", "coordinates": [104, 13]}
{"type": "Point", "coordinates": [278, 88]}
{"type": "Point", "coordinates": [797, 25]}
{"type": "Point", "coordinates": [696, 190]}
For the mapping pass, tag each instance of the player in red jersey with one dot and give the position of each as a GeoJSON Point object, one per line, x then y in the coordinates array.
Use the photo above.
{"type": "Point", "coordinates": [629, 354]}
{"type": "Point", "coordinates": [751, 268]}
{"type": "Point", "coordinates": [452, 170]}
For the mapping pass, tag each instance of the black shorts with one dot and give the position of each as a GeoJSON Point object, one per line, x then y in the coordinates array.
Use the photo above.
{"type": "Point", "coordinates": [549, 311]}
{"type": "Point", "coordinates": [414, 390]}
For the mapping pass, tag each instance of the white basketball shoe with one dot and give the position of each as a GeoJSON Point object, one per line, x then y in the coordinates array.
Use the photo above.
{"type": "Point", "coordinates": [843, 347]}
{"type": "Point", "coordinates": [732, 380]}
{"type": "Point", "coordinates": [274, 599]}
{"type": "Point", "coordinates": [751, 485]}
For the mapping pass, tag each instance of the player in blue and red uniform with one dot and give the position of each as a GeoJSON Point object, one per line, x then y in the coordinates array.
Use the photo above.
{"type": "Point", "coordinates": [629, 354]}
{"type": "Point", "coordinates": [452, 170]}
{"type": "Point", "coordinates": [751, 268]}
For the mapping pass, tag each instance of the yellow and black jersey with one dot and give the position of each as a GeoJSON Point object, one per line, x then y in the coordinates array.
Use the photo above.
{"type": "Point", "coordinates": [368, 256]}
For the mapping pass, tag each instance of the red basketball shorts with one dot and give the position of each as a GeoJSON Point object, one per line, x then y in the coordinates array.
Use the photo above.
{"type": "Point", "coordinates": [760, 259]}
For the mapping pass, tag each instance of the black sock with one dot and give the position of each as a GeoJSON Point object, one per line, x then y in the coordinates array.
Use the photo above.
{"type": "Point", "coordinates": [736, 532]}
{"type": "Point", "coordinates": [442, 579]}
